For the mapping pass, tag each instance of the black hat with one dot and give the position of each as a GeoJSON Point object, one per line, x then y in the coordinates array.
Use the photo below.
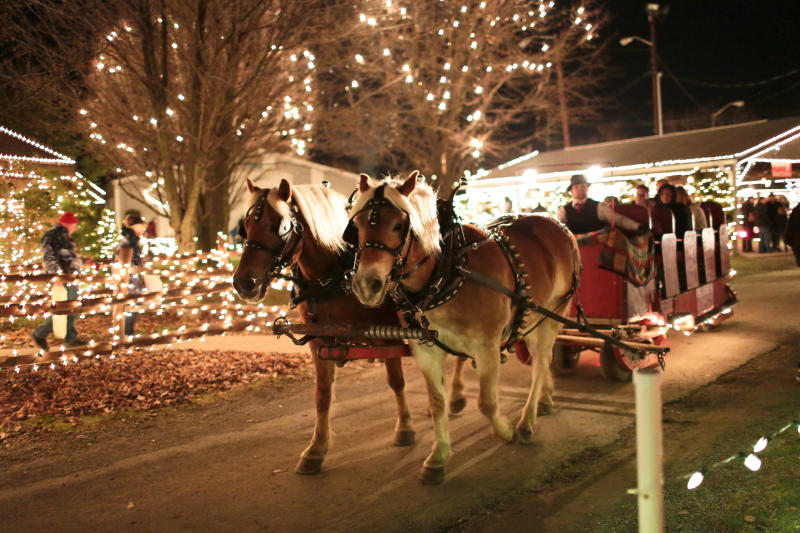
{"type": "Point", "coordinates": [576, 179]}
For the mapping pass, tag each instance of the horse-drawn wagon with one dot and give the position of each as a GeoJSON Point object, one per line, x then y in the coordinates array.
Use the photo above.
{"type": "Point", "coordinates": [637, 288]}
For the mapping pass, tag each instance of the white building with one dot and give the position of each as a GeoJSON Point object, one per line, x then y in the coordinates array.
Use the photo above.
{"type": "Point", "coordinates": [266, 173]}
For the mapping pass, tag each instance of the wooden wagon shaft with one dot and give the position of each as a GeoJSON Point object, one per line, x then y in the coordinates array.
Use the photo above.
{"type": "Point", "coordinates": [586, 340]}
{"type": "Point", "coordinates": [354, 333]}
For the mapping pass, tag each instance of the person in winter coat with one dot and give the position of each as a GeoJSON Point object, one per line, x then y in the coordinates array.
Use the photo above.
{"type": "Point", "coordinates": [129, 252]}
{"type": "Point", "coordinates": [60, 257]}
{"type": "Point", "coordinates": [584, 215]}
{"type": "Point", "coordinates": [792, 234]}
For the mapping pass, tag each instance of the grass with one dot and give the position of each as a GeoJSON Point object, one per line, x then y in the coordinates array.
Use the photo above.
{"type": "Point", "coordinates": [747, 265]}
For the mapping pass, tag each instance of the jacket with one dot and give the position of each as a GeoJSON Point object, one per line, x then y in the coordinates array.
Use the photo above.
{"type": "Point", "coordinates": [58, 252]}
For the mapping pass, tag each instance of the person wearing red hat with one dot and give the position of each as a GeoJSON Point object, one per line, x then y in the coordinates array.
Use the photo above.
{"type": "Point", "coordinates": [60, 257]}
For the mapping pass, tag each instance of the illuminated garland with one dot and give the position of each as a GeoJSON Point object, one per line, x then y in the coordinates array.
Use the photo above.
{"type": "Point", "coordinates": [749, 458]}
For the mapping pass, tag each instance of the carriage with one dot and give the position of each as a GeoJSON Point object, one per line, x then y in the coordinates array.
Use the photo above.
{"type": "Point", "coordinates": [677, 282]}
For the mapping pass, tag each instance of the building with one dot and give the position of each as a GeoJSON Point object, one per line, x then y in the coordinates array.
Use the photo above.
{"type": "Point", "coordinates": [139, 193]}
{"type": "Point", "coordinates": [747, 155]}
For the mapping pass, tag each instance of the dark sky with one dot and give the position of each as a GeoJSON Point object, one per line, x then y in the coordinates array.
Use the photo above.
{"type": "Point", "coordinates": [735, 44]}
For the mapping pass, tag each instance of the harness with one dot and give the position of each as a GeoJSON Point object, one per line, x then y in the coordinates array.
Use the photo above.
{"type": "Point", "coordinates": [377, 201]}
{"type": "Point", "coordinates": [290, 233]}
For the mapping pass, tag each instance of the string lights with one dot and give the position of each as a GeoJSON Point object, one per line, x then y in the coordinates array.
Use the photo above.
{"type": "Point", "coordinates": [489, 56]}
{"type": "Point", "coordinates": [749, 458]}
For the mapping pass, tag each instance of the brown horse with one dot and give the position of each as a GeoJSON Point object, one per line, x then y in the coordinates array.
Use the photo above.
{"type": "Point", "coordinates": [302, 227]}
{"type": "Point", "coordinates": [398, 235]}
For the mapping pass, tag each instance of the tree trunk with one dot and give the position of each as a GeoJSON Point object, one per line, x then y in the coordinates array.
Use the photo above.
{"type": "Point", "coordinates": [562, 102]}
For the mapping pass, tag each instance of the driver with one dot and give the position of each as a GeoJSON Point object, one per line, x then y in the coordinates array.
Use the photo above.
{"type": "Point", "coordinates": [584, 215]}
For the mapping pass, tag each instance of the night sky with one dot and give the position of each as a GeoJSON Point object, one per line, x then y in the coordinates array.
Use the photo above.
{"type": "Point", "coordinates": [728, 43]}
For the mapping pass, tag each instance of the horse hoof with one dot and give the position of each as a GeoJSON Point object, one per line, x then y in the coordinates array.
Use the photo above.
{"type": "Point", "coordinates": [525, 435]}
{"type": "Point", "coordinates": [545, 409]}
{"type": "Point", "coordinates": [309, 466]}
{"type": "Point", "coordinates": [406, 437]}
{"type": "Point", "coordinates": [456, 406]}
{"type": "Point", "coordinates": [431, 476]}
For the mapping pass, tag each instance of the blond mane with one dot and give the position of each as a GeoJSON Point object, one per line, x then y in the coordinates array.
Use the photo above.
{"type": "Point", "coordinates": [324, 210]}
{"type": "Point", "coordinates": [420, 206]}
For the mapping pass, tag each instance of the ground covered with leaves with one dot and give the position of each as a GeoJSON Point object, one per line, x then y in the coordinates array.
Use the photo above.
{"type": "Point", "coordinates": [30, 401]}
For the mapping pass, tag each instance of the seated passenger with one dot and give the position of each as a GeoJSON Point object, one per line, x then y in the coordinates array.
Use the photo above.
{"type": "Point", "coordinates": [699, 217]}
{"type": "Point", "coordinates": [667, 196]}
{"type": "Point", "coordinates": [584, 215]}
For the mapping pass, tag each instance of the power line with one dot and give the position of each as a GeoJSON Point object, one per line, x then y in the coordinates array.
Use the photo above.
{"type": "Point", "coordinates": [735, 85]}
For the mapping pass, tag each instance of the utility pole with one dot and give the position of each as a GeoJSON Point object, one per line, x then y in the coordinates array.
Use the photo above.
{"type": "Point", "coordinates": [652, 13]}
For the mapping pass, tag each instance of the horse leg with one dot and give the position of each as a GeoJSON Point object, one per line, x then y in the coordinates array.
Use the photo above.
{"type": "Point", "coordinates": [457, 399]}
{"type": "Point", "coordinates": [403, 432]}
{"type": "Point", "coordinates": [431, 362]}
{"type": "Point", "coordinates": [312, 457]}
{"type": "Point", "coordinates": [487, 363]}
{"type": "Point", "coordinates": [540, 344]}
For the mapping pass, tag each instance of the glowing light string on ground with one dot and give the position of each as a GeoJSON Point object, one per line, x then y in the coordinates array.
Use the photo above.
{"type": "Point", "coordinates": [749, 458]}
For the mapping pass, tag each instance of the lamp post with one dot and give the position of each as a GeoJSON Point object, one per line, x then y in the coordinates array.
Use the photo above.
{"type": "Point", "coordinates": [654, 11]}
{"type": "Point", "coordinates": [718, 112]}
{"type": "Point", "coordinates": [658, 122]}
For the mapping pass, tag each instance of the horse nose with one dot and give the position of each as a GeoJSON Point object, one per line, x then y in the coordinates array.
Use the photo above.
{"type": "Point", "coordinates": [375, 285]}
{"type": "Point", "coordinates": [245, 285]}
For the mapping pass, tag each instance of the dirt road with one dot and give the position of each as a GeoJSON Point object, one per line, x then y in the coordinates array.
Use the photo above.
{"type": "Point", "coordinates": [228, 464]}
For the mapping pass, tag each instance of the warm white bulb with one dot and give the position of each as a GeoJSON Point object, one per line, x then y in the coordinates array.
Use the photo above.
{"type": "Point", "coordinates": [760, 445]}
{"type": "Point", "coordinates": [752, 462]}
{"type": "Point", "coordinates": [695, 481]}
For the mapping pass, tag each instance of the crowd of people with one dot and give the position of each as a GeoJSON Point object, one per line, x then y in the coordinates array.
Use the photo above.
{"type": "Point", "coordinates": [767, 217]}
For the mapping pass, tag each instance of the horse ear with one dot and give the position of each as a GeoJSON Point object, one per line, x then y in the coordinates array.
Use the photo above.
{"type": "Point", "coordinates": [251, 186]}
{"type": "Point", "coordinates": [363, 185]}
{"type": "Point", "coordinates": [408, 186]}
{"type": "Point", "coordinates": [285, 190]}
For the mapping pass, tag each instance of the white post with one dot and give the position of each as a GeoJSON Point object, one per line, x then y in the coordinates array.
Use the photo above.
{"type": "Point", "coordinates": [649, 481]}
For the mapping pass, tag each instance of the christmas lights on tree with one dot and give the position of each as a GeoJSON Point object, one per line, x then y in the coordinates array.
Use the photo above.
{"type": "Point", "coordinates": [446, 84]}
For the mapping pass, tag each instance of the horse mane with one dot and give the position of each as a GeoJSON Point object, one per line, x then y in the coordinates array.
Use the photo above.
{"type": "Point", "coordinates": [420, 206]}
{"type": "Point", "coordinates": [324, 210]}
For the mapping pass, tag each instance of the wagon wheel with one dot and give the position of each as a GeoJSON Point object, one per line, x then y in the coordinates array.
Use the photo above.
{"type": "Point", "coordinates": [565, 356]}
{"type": "Point", "coordinates": [614, 364]}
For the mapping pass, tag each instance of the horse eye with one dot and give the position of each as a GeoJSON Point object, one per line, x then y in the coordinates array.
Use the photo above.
{"type": "Point", "coordinates": [397, 227]}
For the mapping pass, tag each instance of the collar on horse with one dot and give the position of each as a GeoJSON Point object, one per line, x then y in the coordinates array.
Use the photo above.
{"type": "Point", "coordinates": [290, 232]}
{"type": "Point", "coordinates": [373, 205]}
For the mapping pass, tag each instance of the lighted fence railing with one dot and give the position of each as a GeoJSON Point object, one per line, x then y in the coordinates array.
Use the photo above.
{"type": "Point", "coordinates": [178, 282]}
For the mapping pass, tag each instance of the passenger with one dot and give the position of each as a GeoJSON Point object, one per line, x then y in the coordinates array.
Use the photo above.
{"type": "Point", "coordinates": [748, 221]}
{"type": "Point", "coordinates": [696, 211]}
{"type": "Point", "coordinates": [584, 215]}
{"type": "Point", "coordinates": [683, 217]}
{"type": "Point", "coordinates": [611, 201]}
{"type": "Point", "coordinates": [642, 197]}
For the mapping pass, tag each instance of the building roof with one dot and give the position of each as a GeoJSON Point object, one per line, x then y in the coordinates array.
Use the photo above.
{"type": "Point", "coordinates": [17, 147]}
{"type": "Point", "coordinates": [724, 145]}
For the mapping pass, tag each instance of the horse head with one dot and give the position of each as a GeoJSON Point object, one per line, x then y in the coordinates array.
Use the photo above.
{"type": "Point", "coordinates": [272, 237]}
{"type": "Point", "coordinates": [396, 221]}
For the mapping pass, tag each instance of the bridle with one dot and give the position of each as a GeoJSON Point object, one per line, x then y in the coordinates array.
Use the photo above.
{"type": "Point", "coordinates": [289, 231]}
{"type": "Point", "coordinates": [400, 259]}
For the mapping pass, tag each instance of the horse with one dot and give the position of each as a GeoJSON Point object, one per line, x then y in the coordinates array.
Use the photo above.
{"type": "Point", "coordinates": [302, 227]}
{"type": "Point", "coordinates": [399, 250]}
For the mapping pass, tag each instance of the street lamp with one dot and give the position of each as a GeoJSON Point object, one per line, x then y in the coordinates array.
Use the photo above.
{"type": "Point", "coordinates": [658, 121]}
{"type": "Point", "coordinates": [718, 112]}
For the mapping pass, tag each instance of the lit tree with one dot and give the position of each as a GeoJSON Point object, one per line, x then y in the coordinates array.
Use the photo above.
{"type": "Point", "coordinates": [441, 85]}
{"type": "Point", "coordinates": [182, 93]}
{"type": "Point", "coordinates": [714, 186]}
